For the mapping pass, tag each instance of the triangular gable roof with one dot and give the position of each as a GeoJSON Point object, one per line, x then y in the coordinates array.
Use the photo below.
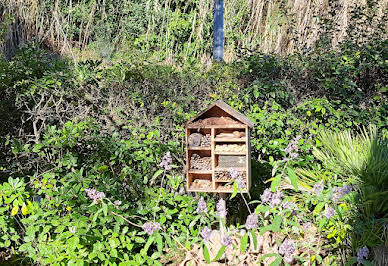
{"type": "Point", "coordinates": [226, 108]}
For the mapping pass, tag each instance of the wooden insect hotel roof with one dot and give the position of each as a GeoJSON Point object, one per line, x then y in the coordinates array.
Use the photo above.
{"type": "Point", "coordinates": [220, 109]}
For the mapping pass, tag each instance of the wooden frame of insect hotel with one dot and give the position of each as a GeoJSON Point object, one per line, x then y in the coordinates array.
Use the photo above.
{"type": "Point", "coordinates": [218, 150]}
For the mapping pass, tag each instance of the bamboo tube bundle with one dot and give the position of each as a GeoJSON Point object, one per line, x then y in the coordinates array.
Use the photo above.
{"type": "Point", "coordinates": [225, 175]}
{"type": "Point", "coordinates": [200, 163]}
{"type": "Point", "coordinates": [206, 140]}
{"type": "Point", "coordinates": [231, 147]}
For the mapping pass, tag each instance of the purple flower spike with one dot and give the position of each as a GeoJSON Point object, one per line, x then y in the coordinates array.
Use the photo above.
{"type": "Point", "coordinates": [318, 187]}
{"type": "Point", "coordinates": [287, 249]}
{"type": "Point", "coordinates": [276, 199]}
{"type": "Point", "coordinates": [206, 233]}
{"type": "Point", "coordinates": [221, 208]}
{"type": "Point", "coordinates": [252, 222]}
{"type": "Point", "coordinates": [166, 161]}
{"type": "Point", "coordinates": [362, 254]}
{"type": "Point", "coordinates": [329, 212]}
{"type": "Point", "coordinates": [339, 193]}
{"type": "Point", "coordinates": [267, 195]}
{"type": "Point", "coordinates": [226, 240]}
{"type": "Point", "coordinates": [202, 207]}
{"type": "Point", "coordinates": [151, 227]}
{"type": "Point", "coordinates": [95, 195]}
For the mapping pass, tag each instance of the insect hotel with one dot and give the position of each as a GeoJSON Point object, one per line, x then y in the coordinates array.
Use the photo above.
{"type": "Point", "coordinates": [218, 150]}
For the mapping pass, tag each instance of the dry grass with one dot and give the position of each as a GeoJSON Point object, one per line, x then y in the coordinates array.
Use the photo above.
{"type": "Point", "coordinates": [274, 26]}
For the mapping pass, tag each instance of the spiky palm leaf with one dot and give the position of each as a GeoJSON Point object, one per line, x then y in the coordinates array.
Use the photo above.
{"type": "Point", "coordinates": [363, 156]}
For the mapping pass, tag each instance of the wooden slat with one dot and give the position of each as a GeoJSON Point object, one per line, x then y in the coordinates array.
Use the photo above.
{"type": "Point", "coordinates": [198, 171]}
{"type": "Point", "coordinates": [230, 153]}
{"type": "Point", "coordinates": [230, 140]}
{"type": "Point", "coordinates": [237, 126]}
{"type": "Point", "coordinates": [228, 168]}
{"type": "Point", "coordinates": [200, 148]}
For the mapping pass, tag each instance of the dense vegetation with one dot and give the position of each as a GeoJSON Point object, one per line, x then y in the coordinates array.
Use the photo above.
{"type": "Point", "coordinates": [92, 152]}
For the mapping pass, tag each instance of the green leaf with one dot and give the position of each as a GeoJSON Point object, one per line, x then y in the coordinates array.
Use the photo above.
{"type": "Point", "coordinates": [105, 209]}
{"type": "Point", "coordinates": [277, 221]}
{"type": "Point", "coordinates": [148, 244]}
{"type": "Point", "coordinates": [140, 239]}
{"type": "Point", "coordinates": [276, 262]}
{"type": "Point", "coordinates": [206, 255]}
{"type": "Point", "coordinates": [219, 253]}
{"type": "Point", "coordinates": [293, 178]}
{"type": "Point", "coordinates": [235, 190]}
{"type": "Point", "coordinates": [276, 182]}
{"type": "Point", "coordinates": [318, 208]}
{"type": "Point", "coordinates": [254, 238]}
{"type": "Point", "coordinates": [159, 242]}
{"type": "Point", "coordinates": [157, 173]}
{"type": "Point", "coordinates": [268, 256]}
{"type": "Point", "coordinates": [367, 263]}
{"type": "Point", "coordinates": [244, 242]}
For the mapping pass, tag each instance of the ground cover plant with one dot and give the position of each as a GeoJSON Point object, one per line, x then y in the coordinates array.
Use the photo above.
{"type": "Point", "coordinates": [91, 160]}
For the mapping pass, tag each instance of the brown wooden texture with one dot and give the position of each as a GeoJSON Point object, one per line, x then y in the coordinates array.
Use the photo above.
{"type": "Point", "coordinates": [235, 133]}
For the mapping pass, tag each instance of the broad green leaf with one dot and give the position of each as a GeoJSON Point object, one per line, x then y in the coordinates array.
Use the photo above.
{"type": "Point", "coordinates": [319, 207]}
{"type": "Point", "coordinates": [276, 262]}
{"type": "Point", "coordinates": [276, 182]}
{"type": "Point", "coordinates": [205, 252]}
{"type": "Point", "coordinates": [254, 238]}
{"type": "Point", "coordinates": [14, 210]}
{"type": "Point", "coordinates": [159, 242]}
{"type": "Point", "coordinates": [148, 244]}
{"type": "Point", "coordinates": [244, 242]}
{"type": "Point", "coordinates": [235, 190]}
{"type": "Point", "coordinates": [157, 173]}
{"type": "Point", "coordinates": [219, 253]}
{"type": "Point", "coordinates": [293, 178]}
{"type": "Point", "coordinates": [24, 209]}
{"type": "Point", "coordinates": [268, 256]}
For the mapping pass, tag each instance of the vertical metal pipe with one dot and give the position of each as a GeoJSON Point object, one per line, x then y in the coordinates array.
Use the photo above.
{"type": "Point", "coordinates": [218, 30]}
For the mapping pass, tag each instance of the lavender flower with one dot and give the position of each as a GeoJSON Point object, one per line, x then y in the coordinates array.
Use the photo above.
{"type": "Point", "coordinates": [287, 249]}
{"type": "Point", "coordinates": [72, 229]}
{"type": "Point", "coordinates": [292, 149]}
{"type": "Point", "coordinates": [206, 233]}
{"type": "Point", "coordinates": [318, 187]}
{"type": "Point", "coordinates": [288, 205]}
{"type": "Point", "coordinates": [226, 240]}
{"type": "Point", "coordinates": [202, 207]}
{"type": "Point", "coordinates": [252, 222]}
{"type": "Point", "coordinates": [329, 212]}
{"type": "Point", "coordinates": [241, 183]}
{"type": "Point", "coordinates": [276, 199]}
{"type": "Point", "coordinates": [339, 193]}
{"type": "Point", "coordinates": [266, 196]}
{"type": "Point", "coordinates": [95, 195]}
{"type": "Point", "coordinates": [151, 227]}
{"type": "Point", "coordinates": [236, 175]}
{"type": "Point", "coordinates": [362, 254]}
{"type": "Point", "coordinates": [166, 161]}
{"type": "Point", "coordinates": [221, 208]}
{"type": "Point", "coordinates": [272, 198]}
